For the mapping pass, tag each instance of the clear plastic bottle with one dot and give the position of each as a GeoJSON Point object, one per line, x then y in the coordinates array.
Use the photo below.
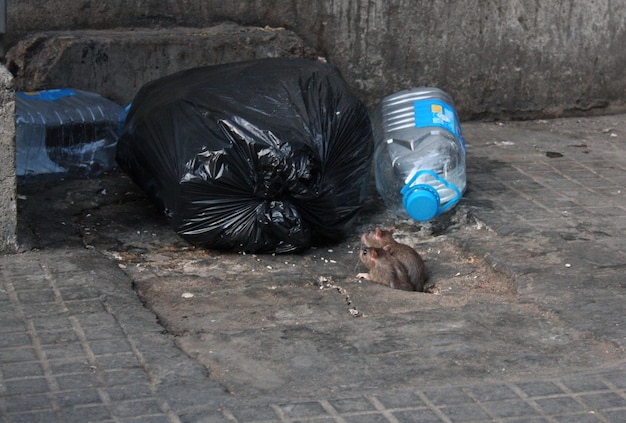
{"type": "Point", "coordinates": [65, 132]}
{"type": "Point", "coordinates": [420, 153]}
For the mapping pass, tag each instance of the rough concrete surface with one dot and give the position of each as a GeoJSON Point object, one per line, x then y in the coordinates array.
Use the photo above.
{"type": "Point", "coordinates": [496, 58]}
{"type": "Point", "coordinates": [8, 203]}
{"type": "Point", "coordinates": [528, 276]}
{"type": "Point", "coordinates": [116, 63]}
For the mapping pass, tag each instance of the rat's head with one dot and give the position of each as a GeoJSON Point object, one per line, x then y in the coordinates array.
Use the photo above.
{"type": "Point", "coordinates": [369, 256]}
{"type": "Point", "coordinates": [378, 237]}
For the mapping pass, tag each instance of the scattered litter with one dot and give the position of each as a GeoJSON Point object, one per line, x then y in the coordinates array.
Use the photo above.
{"type": "Point", "coordinates": [568, 265]}
{"type": "Point", "coordinates": [553, 154]}
{"type": "Point", "coordinates": [187, 295]}
{"type": "Point", "coordinates": [355, 313]}
{"type": "Point", "coordinates": [434, 289]}
{"type": "Point", "coordinates": [327, 283]}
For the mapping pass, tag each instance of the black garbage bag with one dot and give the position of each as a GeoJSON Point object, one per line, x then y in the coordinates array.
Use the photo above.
{"type": "Point", "coordinates": [257, 156]}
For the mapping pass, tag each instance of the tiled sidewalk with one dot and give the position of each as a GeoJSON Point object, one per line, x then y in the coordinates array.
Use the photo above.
{"type": "Point", "coordinates": [64, 356]}
{"type": "Point", "coordinates": [77, 345]}
{"type": "Point", "coordinates": [588, 398]}
{"type": "Point", "coordinates": [68, 355]}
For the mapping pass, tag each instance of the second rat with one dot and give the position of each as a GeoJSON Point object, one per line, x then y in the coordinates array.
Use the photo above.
{"type": "Point", "coordinates": [412, 261]}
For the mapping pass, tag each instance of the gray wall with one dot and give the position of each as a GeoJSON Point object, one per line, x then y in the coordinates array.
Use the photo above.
{"type": "Point", "coordinates": [521, 58]}
{"type": "Point", "coordinates": [8, 200]}
{"type": "Point", "coordinates": [3, 25]}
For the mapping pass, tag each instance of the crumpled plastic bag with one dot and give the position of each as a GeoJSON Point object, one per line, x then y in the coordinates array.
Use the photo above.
{"type": "Point", "coordinates": [259, 156]}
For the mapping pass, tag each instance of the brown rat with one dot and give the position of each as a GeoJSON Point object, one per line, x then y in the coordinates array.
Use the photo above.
{"type": "Point", "coordinates": [384, 269]}
{"type": "Point", "coordinates": [412, 261]}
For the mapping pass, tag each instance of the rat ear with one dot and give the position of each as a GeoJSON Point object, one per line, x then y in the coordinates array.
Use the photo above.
{"type": "Point", "coordinates": [373, 254]}
{"type": "Point", "coordinates": [391, 230]}
{"type": "Point", "coordinates": [387, 247]}
{"type": "Point", "coordinates": [379, 232]}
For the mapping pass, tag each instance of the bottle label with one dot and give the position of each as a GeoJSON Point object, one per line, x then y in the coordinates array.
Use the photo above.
{"type": "Point", "coordinates": [438, 113]}
{"type": "Point", "coordinates": [48, 95]}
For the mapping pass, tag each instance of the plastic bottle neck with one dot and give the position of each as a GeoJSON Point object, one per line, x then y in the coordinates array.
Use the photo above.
{"type": "Point", "coordinates": [422, 201]}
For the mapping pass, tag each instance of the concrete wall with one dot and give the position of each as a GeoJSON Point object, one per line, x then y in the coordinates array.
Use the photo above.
{"type": "Point", "coordinates": [8, 205]}
{"type": "Point", "coordinates": [498, 58]}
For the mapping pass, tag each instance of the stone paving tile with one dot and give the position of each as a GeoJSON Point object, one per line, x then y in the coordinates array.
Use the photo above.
{"type": "Point", "coordinates": [615, 415]}
{"type": "Point", "coordinates": [596, 400]}
{"type": "Point", "coordinates": [69, 360]}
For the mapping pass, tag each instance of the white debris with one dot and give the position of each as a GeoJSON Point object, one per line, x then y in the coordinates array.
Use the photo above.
{"type": "Point", "coordinates": [355, 313]}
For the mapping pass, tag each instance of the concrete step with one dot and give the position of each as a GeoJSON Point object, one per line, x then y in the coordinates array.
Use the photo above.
{"type": "Point", "coordinates": [116, 63]}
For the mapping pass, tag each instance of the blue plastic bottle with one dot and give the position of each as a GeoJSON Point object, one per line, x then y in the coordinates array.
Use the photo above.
{"type": "Point", "coordinates": [420, 153]}
{"type": "Point", "coordinates": [65, 132]}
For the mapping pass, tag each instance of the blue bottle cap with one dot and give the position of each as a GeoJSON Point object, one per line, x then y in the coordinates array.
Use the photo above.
{"type": "Point", "coordinates": [421, 202]}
